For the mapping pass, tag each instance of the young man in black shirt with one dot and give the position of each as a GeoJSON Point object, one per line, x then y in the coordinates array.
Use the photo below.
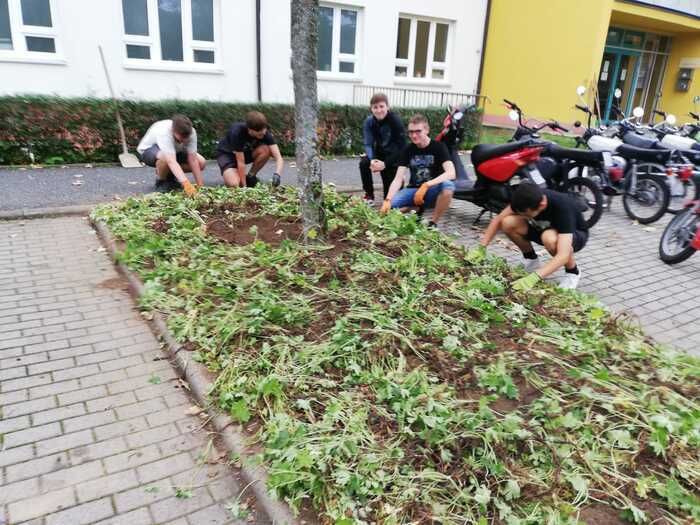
{"type": "Point", "coordinates": [248, 142]}
{"type": "Point", "coordinates": [545, 217]}
{"type": "Point", "coordinates": [431, 173]}
{"type": "Point", "coordinates": [384, 138]}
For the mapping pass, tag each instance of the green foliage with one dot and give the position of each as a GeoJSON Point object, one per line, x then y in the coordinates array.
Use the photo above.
{"type": "Point", "coordinates": [392, 382]}
{"type": "Point", "coordinates": [64, 130]}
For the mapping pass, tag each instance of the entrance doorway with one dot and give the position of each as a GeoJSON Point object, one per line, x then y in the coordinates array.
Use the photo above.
{"type": "Point", "coordinates": [633, 62]}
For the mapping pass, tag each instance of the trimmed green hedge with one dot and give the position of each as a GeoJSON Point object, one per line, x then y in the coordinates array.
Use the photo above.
{"type": "Point", "coordinates": [59, 131]}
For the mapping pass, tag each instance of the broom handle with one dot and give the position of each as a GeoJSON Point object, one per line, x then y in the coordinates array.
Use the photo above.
{"type": "Point", "coordinates": [116, 103]}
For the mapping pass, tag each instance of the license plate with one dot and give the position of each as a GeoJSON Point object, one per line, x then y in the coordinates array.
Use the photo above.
{"type": "Point", "coordinates": [537, 177]}
{"type": "Point", "coordinates": [607, 159]}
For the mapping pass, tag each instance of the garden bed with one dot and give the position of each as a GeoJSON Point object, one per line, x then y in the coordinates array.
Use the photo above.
{"type": "Point", "coordinates": [389, 381]}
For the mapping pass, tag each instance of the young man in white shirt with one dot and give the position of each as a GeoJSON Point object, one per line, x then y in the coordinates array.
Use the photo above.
{"type": "Point", "coordinates": [170, 146]}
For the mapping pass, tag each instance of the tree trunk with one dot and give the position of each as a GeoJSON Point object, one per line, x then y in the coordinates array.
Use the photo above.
{"type": "Point", "coordinates": [304, 51]}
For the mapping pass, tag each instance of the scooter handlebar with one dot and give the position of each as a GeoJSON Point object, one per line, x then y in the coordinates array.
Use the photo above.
{"type": "Point", "coordinates": [513, 105]}
{"type": "Point", "coordinates": [582, 108]}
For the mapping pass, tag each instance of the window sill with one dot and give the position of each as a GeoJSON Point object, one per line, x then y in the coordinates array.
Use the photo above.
{"type": "Point", "coordinates": [338, 77]}
{"type": "Point", "coordinates": [145, 65]}
{"type": "Point", "coordinates": [404, 81]}
{"type": "Point", "coordinates": [29, 59]}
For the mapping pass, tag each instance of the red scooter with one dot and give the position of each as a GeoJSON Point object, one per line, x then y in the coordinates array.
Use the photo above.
{"type": "Point", "coordinates": [499, 168]}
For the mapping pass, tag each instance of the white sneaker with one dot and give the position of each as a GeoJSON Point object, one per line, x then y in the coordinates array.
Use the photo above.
{"type": "Point", "coordinates": [531, 265]}
{"type": "Point", "coordinates": [570, 280]}
{"type": "Point", "coordinates": [368, 200]}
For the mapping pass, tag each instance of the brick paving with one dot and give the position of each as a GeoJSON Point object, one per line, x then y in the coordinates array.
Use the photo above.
{"type": "Point", "coordinates": [95, 427]}
{"type": "Point", "coordinates": [621, 266]}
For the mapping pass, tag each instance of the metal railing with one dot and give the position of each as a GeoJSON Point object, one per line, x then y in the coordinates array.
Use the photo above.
{"type": "Point", "coordinates": [415, 98]}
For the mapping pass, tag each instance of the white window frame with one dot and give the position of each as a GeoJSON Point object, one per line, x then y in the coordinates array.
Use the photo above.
{"type": "Point", "coordinates": [189, 45]}
{"type": "Point", "coordinates": [19, 32]}
{"type": "Point", "coordinates": [336, 56]}
{"type": "Point", "coordinates": [430, 65]}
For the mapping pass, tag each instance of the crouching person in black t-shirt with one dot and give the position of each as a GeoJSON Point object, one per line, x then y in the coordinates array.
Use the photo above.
{"type": "Point", "coordinates": [248, 142]}
{"type": "Point", "coordinates": [431, 174]}
{"type": "Point", "coordinates": [545, 217]}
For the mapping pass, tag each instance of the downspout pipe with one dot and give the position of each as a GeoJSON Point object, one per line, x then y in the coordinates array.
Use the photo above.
{"type": "Point", "coordinates": [258, 51]}
{"type": "Point", "coordinates": [483, 46]}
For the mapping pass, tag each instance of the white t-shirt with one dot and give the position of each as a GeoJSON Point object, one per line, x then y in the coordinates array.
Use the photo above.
{"type": "Point", "coordinates": [161, 133]}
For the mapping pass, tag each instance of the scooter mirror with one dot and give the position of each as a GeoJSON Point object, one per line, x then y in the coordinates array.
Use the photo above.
{"type": "Point", "coordinates": [457, 116]}
{"type": "Point", "coordinates": [618, 93]}
{"type": "Point", "coordinates": [638, 112]}
{"type": "Point", "coordinates": [580, 91]}
{"type": "Point", "coordinates": [670, 119]}
{"type": "Point", "coordinates": [513, 115]}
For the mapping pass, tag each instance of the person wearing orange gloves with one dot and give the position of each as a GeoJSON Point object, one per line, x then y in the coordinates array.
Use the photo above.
{"type": "Point", "coordinates": [170, 146]}
{"type": "Point", "coordinates": [430, 174]}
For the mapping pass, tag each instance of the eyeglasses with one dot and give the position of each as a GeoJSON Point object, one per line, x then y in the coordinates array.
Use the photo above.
{"type": "Point", "coordinates": [411, 131]}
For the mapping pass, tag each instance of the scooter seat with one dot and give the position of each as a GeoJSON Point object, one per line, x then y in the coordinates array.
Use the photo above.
{"type": "Point", "coordinates": [640, 141]}
{"type": "Point", "coordinates": [578, 155]}
{"type": "Point", "coordinates": [691, 155]}
{"type": "Point", "coordinates": [483, 152]}
{"type": "Point", "coordinates": [661, 156]}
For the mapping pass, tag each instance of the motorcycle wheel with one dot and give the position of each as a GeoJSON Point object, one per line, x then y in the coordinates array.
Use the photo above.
{"type": "Point", "coordinates": [681, 191]}
{"type": "Point", "coordinates": [674, 246]}
{"type": "Point", "coordinates": [650, 194]}
{"type": "Point", "coordinates": [588, 194]}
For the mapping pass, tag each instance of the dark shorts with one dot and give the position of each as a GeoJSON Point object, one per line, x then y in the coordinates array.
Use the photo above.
{"type": "Point", "coordinates": [228, 160]}
{"type": "Point", "coordinates": [579, 240]}
{"type": "Point", "coordinates": [150, 156]}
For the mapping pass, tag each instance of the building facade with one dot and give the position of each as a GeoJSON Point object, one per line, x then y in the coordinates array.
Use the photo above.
{"type": "Point", "coordinates": [538, 51]}
{"type": "Point", "coordinates": [234, 50]}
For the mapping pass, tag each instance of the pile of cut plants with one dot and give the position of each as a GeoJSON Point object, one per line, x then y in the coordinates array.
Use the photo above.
{"type": "Point", "coordinates": [387, 380]}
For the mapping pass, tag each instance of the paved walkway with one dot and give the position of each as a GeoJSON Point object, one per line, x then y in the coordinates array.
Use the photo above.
{"type": "Point", "coordinates": [95, 427]}
{"type": "Point", "coordinates": [621, 266]}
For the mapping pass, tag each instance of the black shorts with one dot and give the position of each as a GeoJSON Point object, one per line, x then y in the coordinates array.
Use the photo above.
{"type": "Point", "coordinates": [579, 240]}
{"type": "Point", "coordinates": [150, 156]}
{"type": "Point", "coordinates": [228, 160]}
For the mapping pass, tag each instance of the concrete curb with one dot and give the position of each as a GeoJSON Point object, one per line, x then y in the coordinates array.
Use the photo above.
{"type": "Point", "coordinates": [197, 376]}
{"type": "Point", "coordinates": [39, 213]}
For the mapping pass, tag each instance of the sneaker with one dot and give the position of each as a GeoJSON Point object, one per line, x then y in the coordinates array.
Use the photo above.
{"type": "Point", "coordinates": [167, 185]}
{"type": "Point", "coordinates": [570, 280]}
{"type": "Point", "coordinates": [369, 201]}
{"type": "Point", "coordinates": [531, 265]}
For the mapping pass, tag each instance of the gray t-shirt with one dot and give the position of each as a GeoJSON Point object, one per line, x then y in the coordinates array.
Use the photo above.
{"type": "Point", "coordinates": [161, 133]}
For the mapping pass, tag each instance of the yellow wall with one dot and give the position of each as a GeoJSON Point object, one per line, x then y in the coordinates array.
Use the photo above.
{"type": "Point", "coordinates": [539, 51]}
{"type": "Point", "coordinates": [686, 45]}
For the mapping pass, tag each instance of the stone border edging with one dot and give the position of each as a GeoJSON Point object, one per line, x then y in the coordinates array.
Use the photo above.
{"type": "Point", "coordinates": [196, 376]}
{"type": "Point", "coordinates": [39, 213]}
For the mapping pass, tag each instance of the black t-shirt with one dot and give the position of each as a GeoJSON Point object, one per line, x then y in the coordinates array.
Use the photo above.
{"type": "Point", "coordinates": [238, 139]}
{"type": "Point", "coordinates": [425, 163]}
{"type": "Point", "coordinates": [561, 214]}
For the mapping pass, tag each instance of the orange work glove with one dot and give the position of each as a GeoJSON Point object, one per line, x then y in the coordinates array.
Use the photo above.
{"type": "Point", "coordinates": [386, 206]}
{"type": "Point", "coordinates": [419, 197]}
{"type": "Point", "coordinates": [190, 190]}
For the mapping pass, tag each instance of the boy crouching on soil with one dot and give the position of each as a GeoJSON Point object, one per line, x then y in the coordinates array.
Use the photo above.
{"type": "Point", "coordinates": [170, 146]}
{"type": "Point", "coordinates": [248, 142]}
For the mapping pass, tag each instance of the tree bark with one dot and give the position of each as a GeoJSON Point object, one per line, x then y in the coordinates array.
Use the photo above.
{"type": "Point", "coordinates": [304, 51]}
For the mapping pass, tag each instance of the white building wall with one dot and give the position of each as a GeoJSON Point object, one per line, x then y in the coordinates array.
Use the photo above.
{"type": "Point", "coordinates": [83, 24]}
{"type": "Point", "coordinates": [377, 40]}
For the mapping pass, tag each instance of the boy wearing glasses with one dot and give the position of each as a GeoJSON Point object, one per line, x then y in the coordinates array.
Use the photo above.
{"type": "Point", "coordinates": [431, 174]}
{"type": "Point", "coordinates": [170, 146]}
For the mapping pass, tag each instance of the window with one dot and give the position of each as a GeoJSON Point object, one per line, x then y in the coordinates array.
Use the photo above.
{"type": "Point", "coordinates": [27, 28]}
{"type": "Point", "coordinates": [422, 49]}
{"type": "Point", "coordinates": [170, 31]}
{"type": "Point", "coordinates": [338, 28]}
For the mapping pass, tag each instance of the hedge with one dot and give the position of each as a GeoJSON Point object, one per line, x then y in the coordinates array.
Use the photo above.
{"type": "Point", "coordinates": [59, 131]}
